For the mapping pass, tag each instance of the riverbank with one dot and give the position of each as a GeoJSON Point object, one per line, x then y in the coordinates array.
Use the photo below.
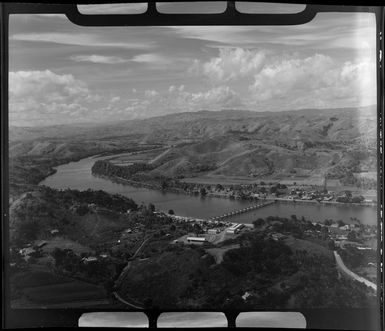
{"type": "Point", "coordinates": [228, 196]}
{"type": "Point", "coordinates": [362, 204]}
{"type": "Point", "coordinates": [78, 175]}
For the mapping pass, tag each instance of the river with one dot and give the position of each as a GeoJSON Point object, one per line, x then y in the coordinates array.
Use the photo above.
{"type": "Point", "coordinates": [77, 175]}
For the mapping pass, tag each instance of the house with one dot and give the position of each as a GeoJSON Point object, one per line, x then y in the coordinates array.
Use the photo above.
{"type": "Point", "coordinates": [235, 228]}
{"type": "Point", "coordinates": [278, 236]}
{"type": "Point", "coordinates": [213, 231]}
{"type": "Point", "coordinates": [89, 259]}
{"type": "Point", "coordinates": [196, 239]}
{"type": "Point", "coordinates": [41, 243]}
{"type": "Point", "coordinates": [345, 227]}
{"type": "Point", "coordinates": [26, 252]}
{"type": "Point", "coordinates": [245, 295]}
{"type": "Point", "coordinates": [54, 231]}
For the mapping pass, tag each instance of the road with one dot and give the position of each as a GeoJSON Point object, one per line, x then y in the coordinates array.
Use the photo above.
{"type": "Point", "coordinates": [117, 296]}
{"type": "Point", "coordinates": [351, 274]}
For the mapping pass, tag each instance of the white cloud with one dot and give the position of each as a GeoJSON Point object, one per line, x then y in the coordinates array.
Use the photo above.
{"type": "Point", "coordinates": [44, 97]}
{"type": "Point", "coordinates": [150, 58]}
{"type": "Point", "coordinates": [151, 93]}
{"type": "Point", "coordinates": [98, 59]}
{"type": "Point", "coordinates": [315, 81]}
{"type": "Point", "coordinates": [218, 34]}
{"type": "Point", "coordinates": [231, 63]}
{"type": "Point", "coordinates": [115, 99]}
{"type": "Point", "coordinates": [78, 39]}
{"type": "Point", "coordinates": [174, 88]}
{"type": "Point", "coordinates": [215, 98]}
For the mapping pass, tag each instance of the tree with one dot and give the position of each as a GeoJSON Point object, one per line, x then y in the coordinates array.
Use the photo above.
{"type": "Point", "coordinates": [358, 199]}
{"type": "Point", "coordinates": [352, 236]}
{"type": "Point", "coordinates": [258, 222]}
{"type": "Point", "coordinates": [328, 222]}
{"type": "Point", "coordinates": [219, 187]}
{"type": "Point", "coordinates": [203, 191]}
{"type": "Point", "coordinates": [197, 229]}
{"type": "Point", "coordinates": [262, 190]}
{"type": "Point", "coordinates": [340, 223]}
{"type": "Point", "coordinates": [171, 212]}
{"type": "Point", "coordinates": [59, 256]}
{"type": "Point", "coordinates": [151, 207]}
{"type": "Point", "coordinates": [331, 245]}
{"type": "Point", "coordinates": [29, 229]}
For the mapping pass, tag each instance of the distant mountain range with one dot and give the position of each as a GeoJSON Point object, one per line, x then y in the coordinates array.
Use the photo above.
{"type": "Point", "coordinates": [311, 142]}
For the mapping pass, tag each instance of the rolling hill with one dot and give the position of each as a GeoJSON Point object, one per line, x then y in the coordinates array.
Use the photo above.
{"type": "Point", "coordinates": [336, 143]}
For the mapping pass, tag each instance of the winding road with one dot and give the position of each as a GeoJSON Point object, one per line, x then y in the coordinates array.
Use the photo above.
{"type": "Point", "coordinates": [117, 296]}
{"type": "Point", "coordinates": [351, 274]}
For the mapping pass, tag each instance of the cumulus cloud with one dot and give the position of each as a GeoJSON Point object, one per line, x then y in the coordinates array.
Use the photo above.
{"type": "Point", "coordinates": [98, 59]}
{"type": "Point", "coordinates": [115, 99]}
{"type": "Point", "coordinates": [151, 93]}
{"type": "Point", "coordinates": [231, 63]}
{"type": "Point", "coordinates": [216, 98]}
{"type": "Point", "coordinates": [174, 88]}
{"type": "Point", "coordinates": [44, 97]}
{"type": "Point", "coordinates": [150, 58]}
{"type": "Point", "coordinates": [314, 81]}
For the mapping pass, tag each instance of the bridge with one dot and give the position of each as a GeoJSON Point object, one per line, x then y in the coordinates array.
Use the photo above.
{"type": "Point", "coordinates": [241, 211]}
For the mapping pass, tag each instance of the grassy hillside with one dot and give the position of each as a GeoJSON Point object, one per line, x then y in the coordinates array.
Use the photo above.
{"type": "Point", "coordinates": [334, 143]}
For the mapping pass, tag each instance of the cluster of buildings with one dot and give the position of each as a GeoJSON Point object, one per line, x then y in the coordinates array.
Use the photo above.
{"type": "Point", "coordinates": [302, 194]}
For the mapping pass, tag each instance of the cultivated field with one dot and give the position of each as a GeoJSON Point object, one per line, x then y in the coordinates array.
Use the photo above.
{"type": "Point", "coordinates": [45, 289]}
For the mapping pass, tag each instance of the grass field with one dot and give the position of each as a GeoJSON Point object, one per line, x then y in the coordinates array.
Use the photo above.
{"type": "Point", "coordinates": [64, 243]}
{"type": "Point", "coordinates": [309, 247]}
{"type": "Point", "coordinates": [42, 288]}
{"type": "Point", "coordinates": [64, 293]}
{"type": "Point", "coordinates": [145, 156]}
{"type": "Point", "coordinates": [219, 252]}
{"type": "Point", "coordinates": [37, 278]}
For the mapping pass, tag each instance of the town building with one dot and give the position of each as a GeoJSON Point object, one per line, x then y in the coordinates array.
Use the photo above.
{"type": "Point", "coordinates": [213, 231]}
{"type": "Point", "coordinates": [235, 228]}
{"type": "Point", "coordinates": [196, 239]}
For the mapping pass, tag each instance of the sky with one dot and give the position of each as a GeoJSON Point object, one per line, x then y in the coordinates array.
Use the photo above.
{"type": "Point", "coordinates": [61, 73]}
